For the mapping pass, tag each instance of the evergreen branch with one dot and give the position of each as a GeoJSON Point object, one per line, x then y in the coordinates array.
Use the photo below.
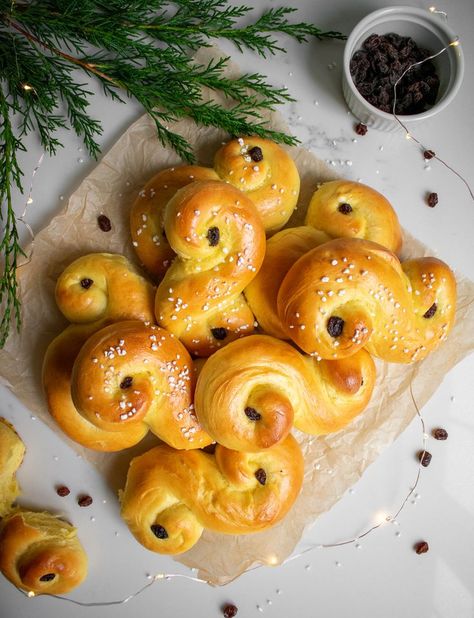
{"type": "Point", "coordinates": [138, 48]}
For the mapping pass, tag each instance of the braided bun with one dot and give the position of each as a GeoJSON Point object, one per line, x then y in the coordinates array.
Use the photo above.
{"type": "Point", "coordinates": [12, 451]}
{"type": "Point", "coordinates": [351, 293]}
{"type": "Point", "coordinates": [220, 242]}
{"type": "Point", "coordinates": [147, 215]}
{"type": "Point", "coordinates": [249, 393]}
{"type": "Point", "coordinates": [265, 173]}
{"type": "Point", "coordinates": [41, 553]}
{"type": "Point", "coordinates": [347, 209]}
{"type": "Point", "coordinates": [283, 249]}
{"type": "Point", "coordinates": [171, 496]}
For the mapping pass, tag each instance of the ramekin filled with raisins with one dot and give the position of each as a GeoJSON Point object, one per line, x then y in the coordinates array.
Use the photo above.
{"type": "Point", "coordinates": [394, 47]}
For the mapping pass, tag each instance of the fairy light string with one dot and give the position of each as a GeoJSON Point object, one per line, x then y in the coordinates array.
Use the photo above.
{"type": "Point", "coordinates": [160, 577]}
{"type": "Point", "coordinates": [22, 217]}
{"type": "Point", "coordinates": [408, 134]}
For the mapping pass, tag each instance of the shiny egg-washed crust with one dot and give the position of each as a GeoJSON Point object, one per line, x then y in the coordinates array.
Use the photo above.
{"type": "Point", "coordinates": [366, 213]}
{"type": "Point", "coordinates": [170, 496]}
{"type": "Point", "coordinates": [103, 286]}
{"type": "Point", "coordinates": [117, 293]}
{"type": "Point", "coordinates": [283, 249]}
{"type": "Point", "coordinates": [352, 293]}
{"type": "Point", "coordinates": [273, 184]}
{"type": "Point", "coordinates": [147, 215]}
{"type": "Point", "coordinates": [250, 393]}
{"type": "Point", "coordinates": [12, 451]}
{"type": "Point", "coordinates": [220, 244]}
{"type": "Point", "coordinates": [40, 553]}
{"type": "Point", "coordinates": [129, 377]}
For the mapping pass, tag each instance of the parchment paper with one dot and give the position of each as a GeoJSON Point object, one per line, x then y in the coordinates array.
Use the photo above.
{"type": "Point", "coordinates": [111, 189]}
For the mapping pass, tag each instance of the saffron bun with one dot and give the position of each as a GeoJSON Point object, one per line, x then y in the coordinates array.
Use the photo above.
{"type": "Point", "coordinates": [265, 173]}
{"type": "Point", "coordinates": [351, 293]}
{"type": "Point", "coordinates": [250, 393]}
{"type": "Point", "coordinates": [93, 291]}
{"type": "Point", "coordinates": [220, 244]}
{"type": "Point", "coordinates": [40, 553]}
{"type": "Point", "coordinates": [171, 496]}
{"type": "Point", "coordinates": [283, 249]}
{"type": "Point", "coordinates": [147, 215]}
{"type": "Point", "coordinates": [348, 209]}
{"type": "Point", "coordinates": [12, 451]}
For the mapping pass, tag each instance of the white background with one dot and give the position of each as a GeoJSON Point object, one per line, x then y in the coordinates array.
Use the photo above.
{"type": "Point", "coordinates": [383, 577]}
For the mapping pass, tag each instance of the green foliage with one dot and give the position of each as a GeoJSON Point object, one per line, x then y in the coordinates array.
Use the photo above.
{"type": "Point", "coordinates": [139, 49]}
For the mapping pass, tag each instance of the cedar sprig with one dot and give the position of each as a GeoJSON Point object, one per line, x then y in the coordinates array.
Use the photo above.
{"type": "Point", "coordinates": [139, 49]}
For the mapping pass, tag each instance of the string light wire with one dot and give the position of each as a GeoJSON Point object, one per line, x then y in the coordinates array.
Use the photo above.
{"type": "Point", "coordinates": [354, 540]}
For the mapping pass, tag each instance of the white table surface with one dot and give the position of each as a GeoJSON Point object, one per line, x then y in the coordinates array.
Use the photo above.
{"type": "Point", "coordinates": [383, 577]}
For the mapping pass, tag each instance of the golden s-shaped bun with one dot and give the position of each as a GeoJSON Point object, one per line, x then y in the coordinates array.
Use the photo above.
{"type": "Point", "coordinates": [147, 215]}
{"type": "Point", "coordinates": [352, 293]}
{"type": "Point", "coordinates": [283, 249]}
{"type": "Point", "coordinates": [266, 174]}
{"type": "Point", "coordinates": [348, 209]}
{"type": "Point", "coordinates": [131, 375]}
{"type": "Point", "coordinates": [249, 393]}
{"type": "Point", "coordinates": [171, 496]}
{"type": "Point", "coordinates": [40, 553]}
{"type": "Point", "coordinates": [220, 242]}
{"type": "Point", "coordinates": [12, 451]}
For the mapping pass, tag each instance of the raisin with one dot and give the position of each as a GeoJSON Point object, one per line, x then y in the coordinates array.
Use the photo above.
{"type": "Point", "coordinates": [425, 458]}
{"type": "Point", "coordinates": [261, 476]}
{"type": "Point", "coordinates": [219, 333]}
{"type": "Point", "coordinates": [361, 128]}
{"type": "Point", "coordinates": [47, 577]}
{"type": "Point", "coordinates": [256, 154]}
{"type": "Point", "coordinates": [126, 382]}
{"type": "Point", "coordinates": [432, 199]}
{"type": "Point", "coordinates": [440, 434]}
{"type": "Point", "coordinates": [372, 42]}
{"type": "Point", "coordinates": [431, 311]}
{"type": "Point", "coordinates": [429, 154]}
{"type": "Point", "coordinates": [421, 547]}
{"type": "Point", "coordinates": [84, 500]}
{"type": "Point", "coordinates": [159, 531]}
{"type": "Point", "coordinates": [63, 491]}
{"type": "Point", "coordinates": [86, 283]}
{"type": "Point", "coordinates": [252, 414]}
{"type": "Point", "coordinates": [344, 208]}
{"type": "Point", "coordinates": [335, 326]}
{"type": "Point", "coordinates": [104, 223]}
{"type": "Point", "coordinates": [213, 236]}
{"type": "Point", "coordinates": [229, 611]}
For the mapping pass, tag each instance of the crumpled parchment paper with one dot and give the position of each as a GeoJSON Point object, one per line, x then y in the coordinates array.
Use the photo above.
{"type": "Point", "coordinates": [110, 189]}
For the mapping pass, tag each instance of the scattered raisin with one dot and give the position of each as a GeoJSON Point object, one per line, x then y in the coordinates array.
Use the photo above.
{"type": "Point", "coordinates": [335, 326]}
{"type": "Point", "coordinates": [361, 128]}
{"type": "Point", "coordinates": [425, 458]}
{"type": "Point", "coordinates": [84, 501]}
{"type": "Point", "coordinates": [126, 382]}
{"type": "Point", "coordinates": [229, 611]}
{"type": "Point", "coordinates": [47, 577]}
{"type": "Point", "coordinates": [86, 283]}
{"type": "Point", "coordinates": [159, 531]}
{"type": "Point", "coordinates": [213, 236]}
{"type": "Point", "coordinates": [252, 414]}
{"type": "Point", "coordinates": [210, 449]}
{"type": "Point", "coordinates": [256, 154]}
{"type": "Point", "coordinates": [431, 311]}
{"type": "Point", "coordinates": [345, 208]}
{"type": "Point", "coordinates": [421, 547]}
{"type": "Point", "coordinates": [432, 199]}
{"type": "Point", "coordinates": [261, 476]}
{"type": "Point", "coordinates": [104, 223]}
{"type": "Point", "coordinates": [63, 491]}
{"type": "Point", "coordinates": [440, 434]}
{"type": "Point", "coordinates": [429, 154]}
{"type": "Point", "coordinates": [219, 333]}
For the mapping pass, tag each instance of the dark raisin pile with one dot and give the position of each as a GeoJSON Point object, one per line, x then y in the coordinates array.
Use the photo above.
{"type": "Point", "coordinates": [378, 65]}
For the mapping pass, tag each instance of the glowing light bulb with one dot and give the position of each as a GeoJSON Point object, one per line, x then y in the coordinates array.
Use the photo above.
{"type": "Point", "coordinates": [454, 43]}
{"type": "Point", "coordinates": [31, 594]}
{"type": "Point", "coordinates": [432, 9]}
{"type": "Point", "coordinates": [408, 136]}
{"type": "Point", "coordinates": [27, 87]}
{"type": "Point", "coordinates": [272, 559]}
{"type": "Point", "coordinates": [380, 517]}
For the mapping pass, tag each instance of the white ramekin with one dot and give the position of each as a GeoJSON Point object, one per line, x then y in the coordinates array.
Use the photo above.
{"type": "Point", "coordinates": [428, 30]}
